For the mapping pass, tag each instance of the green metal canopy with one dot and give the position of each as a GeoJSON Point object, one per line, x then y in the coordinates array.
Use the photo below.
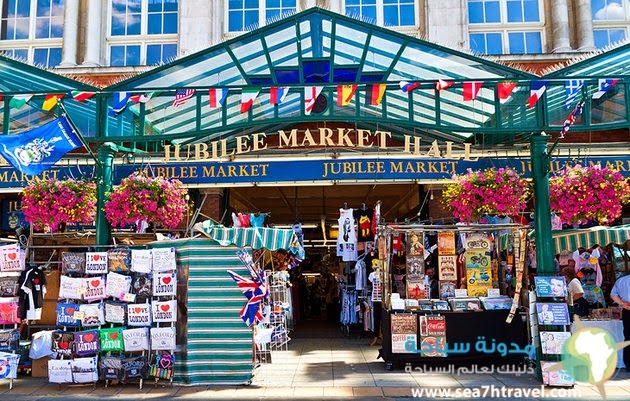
{"type": "Point", "coordinates": [17, 78]}
{"type": "Point", "coordinates": [321, 48]}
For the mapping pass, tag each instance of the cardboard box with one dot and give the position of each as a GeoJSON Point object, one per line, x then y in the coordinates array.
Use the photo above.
{"type": "Point", "coordinates": [39, 367]}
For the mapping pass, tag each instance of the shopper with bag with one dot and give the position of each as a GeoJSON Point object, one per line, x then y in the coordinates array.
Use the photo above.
{"type": "Point", "coordinates": [620, 294]}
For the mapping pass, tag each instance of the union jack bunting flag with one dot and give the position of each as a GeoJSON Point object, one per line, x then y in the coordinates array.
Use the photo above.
{"type": "Point", "coordinates": [252, 311]}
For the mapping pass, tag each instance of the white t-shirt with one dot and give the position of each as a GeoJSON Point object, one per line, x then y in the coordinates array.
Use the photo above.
{"type": "Point", "coordinates": [574, 287]}
{"type": "Point", "coordinates": [377, 289]}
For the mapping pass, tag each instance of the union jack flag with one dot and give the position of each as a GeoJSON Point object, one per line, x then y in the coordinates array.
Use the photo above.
{"type": "Point", "coordinates": [570, 120]}
{"type": "Point", "coordinates": [255, 294]}
{"type": "Point", "coordinates": [182, 96]}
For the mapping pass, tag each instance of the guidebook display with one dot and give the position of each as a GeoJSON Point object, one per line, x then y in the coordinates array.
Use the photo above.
{"type": "Point", "coordinates": [116, 315]}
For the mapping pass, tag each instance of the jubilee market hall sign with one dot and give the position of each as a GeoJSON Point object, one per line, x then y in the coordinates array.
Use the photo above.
{"type": "Point", "coordinates": [208, 163]}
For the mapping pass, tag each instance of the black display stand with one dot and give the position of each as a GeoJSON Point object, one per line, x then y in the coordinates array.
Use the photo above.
{"type": "Point", "coordinates": [459, 329]}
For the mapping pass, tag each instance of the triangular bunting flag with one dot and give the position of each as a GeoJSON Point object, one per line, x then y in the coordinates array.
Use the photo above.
{"type": "Point", "coordinates": [248, 95]}
{"type": "Point", "coordinates": [51, 101]}
{"type": "Point", "coordinates": [537, 89]}
{"type": "Point", "coordinates": [18, 101]}
{"type": "Point", "coordinates": [572, 89]}
{"type": "Point", "coordinates": [345, 93]}
{"type": "Point", "coordinates": [278, 94]}
{"type": "Point", "coordinates": [80, 96]}
{"type": "Point", "coordinates": [310, 96]}
{"type": "Point", "coordinates": [217, 97]}
{"type": "Point", "coordinates": [604, 86]}
{"type": "Point", "coordinates": [143, 97]}
{"type": "Point", "coordinates": [408, 86]}
{"type": "Point", "coordinates": [442, 84]}
{"type": "Point", "coordinates": [120, 103]}
{"type": "Point", "coordinates": [374, 94]}
{"type": "Point", "coordinates": [471, 89]}
{"type": "Point", "coordinates": [504, 89]}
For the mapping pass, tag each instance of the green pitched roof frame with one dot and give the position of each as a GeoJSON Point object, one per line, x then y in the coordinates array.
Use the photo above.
{"type": "Point", "coordinates": [17, 78]}
{"type": "Point", "coordinates": [321, 48]}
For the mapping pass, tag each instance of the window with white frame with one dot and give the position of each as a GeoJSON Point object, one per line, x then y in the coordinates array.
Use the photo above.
{"type": "Point", "coordinates": [505, 26]}
{"type": "Point", "coordinates": [31, 30]}
{"type": "Point", "coordinates": [244, 15]}
{"type": "Point", "coordinates": [611, 21]}
{"type": "Point", "coordinates": [142, 32]}
{"type": "Point", "coordinates": [391, 13]}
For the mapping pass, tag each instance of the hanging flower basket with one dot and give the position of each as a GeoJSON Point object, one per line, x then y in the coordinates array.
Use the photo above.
{"type": "Point", "coordinates": [48, 203]}
{"type": "Point", "coordinates": [153, 199]}
{"type": "Point", "coordinates": [491, 191]}
{"type": "Point", "coordinates": [578, 194]}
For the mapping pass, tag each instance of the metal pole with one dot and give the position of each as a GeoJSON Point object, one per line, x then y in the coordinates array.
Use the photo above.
{"type": "Point", "coordinates": [542, 209]}
{"type": "Point", "coordinates": [104, 183]}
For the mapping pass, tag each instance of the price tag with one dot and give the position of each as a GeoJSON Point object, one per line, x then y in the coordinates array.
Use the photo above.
{"type": "Point", "coordinates": [461, 292]}
{"type": "Point", "coordinates": [128, 297]}
{"type": "Point", "coordinates": [78, 315]}
{"type": "Point", "coordinates": [494, 292]}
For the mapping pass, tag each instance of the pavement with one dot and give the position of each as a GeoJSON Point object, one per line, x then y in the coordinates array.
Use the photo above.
{"type": "Point", "coordinates": [331, 368]}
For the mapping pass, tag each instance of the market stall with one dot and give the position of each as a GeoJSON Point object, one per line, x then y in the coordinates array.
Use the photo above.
{"type": "Point", "coordinates": [478, 271]}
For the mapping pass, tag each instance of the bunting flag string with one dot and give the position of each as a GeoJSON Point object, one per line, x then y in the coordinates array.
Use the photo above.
{"type": "Point", "coordinates": [571, 118]}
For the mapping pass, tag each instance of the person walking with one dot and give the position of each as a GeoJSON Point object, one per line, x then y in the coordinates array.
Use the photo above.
{"type": "Point", "coordinates": [620, 294]}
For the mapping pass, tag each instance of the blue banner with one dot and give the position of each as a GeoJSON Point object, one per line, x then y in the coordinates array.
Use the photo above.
{"type": "Point", "coordinates": [12, 215]}
{"type": "Point", "coordinates": [39, 149]}
{"type": "Point", "coordinates": [311, 171]}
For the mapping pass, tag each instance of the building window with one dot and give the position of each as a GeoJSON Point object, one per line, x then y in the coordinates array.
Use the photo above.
{"type": "Point", "coordinates": [505, 26]}
{"type": "Point", "coordinates": [244, 15]}
{"type": "Point", "coordinates": [611, 20]}
{"type": "Point", "coordinates": [32, 31]}
{"type": "Point", "coordinates": [391, 13]}
{"type": "Point", "coordinates": [142, 32]}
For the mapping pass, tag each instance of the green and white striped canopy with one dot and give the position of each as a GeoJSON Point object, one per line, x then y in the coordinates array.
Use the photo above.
{"type": "Point", "coordinates": [255, 237]}
{"type": "Point", "coordinates": [571, 240]}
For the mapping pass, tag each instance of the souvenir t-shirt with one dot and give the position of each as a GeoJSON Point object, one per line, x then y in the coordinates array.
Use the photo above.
{"type": "Point", "coordinates": [364, 218]}
{"type": "Point", "coordinates": [94, 289]}
{"type": "Point", "coordinates": [32, 284]}
{"type": "Point", "coordinates": [141, 287]}
{"type": "Point", "coordinates": [87, 343]}
{"type": "Point", "coordinates": [117, 284]}
{"type": "Point", "coordinates": [135, 368]}
{"type": "Point", "coordinates": [110, 368]}
{"type": "Point", "coordinates": [136, 339]}
{"type": "Point", "coordinates": [164, 259]}
{"type": "Point", "coordinates": [9, 286]}
{"type": "Point", "coordinates": [162, 338]}
{"type": "Point", "coordinates": [112, 339]}
{"type": "Point", "coordinates": [60, 371]}
{"type": "Point", "coordinates": [119, 259]}
{"type": "Point", "coordinates": [72, 263]}
{"type": "Point", "coordinates": [115, 312]}
{"type": "Point", "coordinates": [71, 287]}
{"type": "Point", "coordinates": [9, 340]}
{"type": "Point", "coordinates": [12, 258]}
{"type": "Point", "coordinates": [9, 312]}
{"type": "Point", "coordinates": [85, 370]}
{"type": "Point", "coordinates": [63, 343]}
{"type": "Point", "coordinates": [8, 365]}
{"type": "Point", "coordinates": [66, 314]}
{"type": "Point", "coordinates": [93, 314]}
{"type": "Point", "coordinates": [139, 315]}
{"type": "Point", "coordinates": [163, 366]}
{"type": "Point", "coordinates": [164, 311]}
{"type": "Point", "coordinates": [141, 260]}
{"type": "Point", "coordinates": [164, 284]}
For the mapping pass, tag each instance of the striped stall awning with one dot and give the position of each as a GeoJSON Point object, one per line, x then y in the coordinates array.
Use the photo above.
{"type": "Point", "coordinates": [571, 240]}
{"type": "Point", "coordinates": [255, 237]}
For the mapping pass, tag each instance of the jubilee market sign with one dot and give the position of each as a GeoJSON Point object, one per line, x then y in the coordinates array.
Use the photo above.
{"type": "Point", "coordinates": [206, 163]}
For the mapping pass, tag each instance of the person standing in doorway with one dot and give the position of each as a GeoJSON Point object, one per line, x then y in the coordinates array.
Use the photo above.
{"type": "Point", "coordinates": [620, 294]}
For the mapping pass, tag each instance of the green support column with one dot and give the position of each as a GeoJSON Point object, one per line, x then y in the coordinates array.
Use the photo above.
{"type": "Point", "coordinates": [104, 182]}
{"type": "Point", "coordinates": [542, 210]}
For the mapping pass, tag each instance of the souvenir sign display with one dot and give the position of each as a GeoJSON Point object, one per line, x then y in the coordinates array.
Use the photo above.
{"type": "Point", "coordinates": [478, 241]}
{"type": "Point", "coordinates": [164, 284]}
{"type": "Point", "coordinates": [63, 343]}
{"type": "Point", "coordinates": [446, 243]}
{"type": "Point", "coordinates": [94, 288]}
{"type": "Point", "coordinates": [87, 343]}
{"type": "Point", "coordinates": [552, 314]}
{"type": "Point", "coordinates": [164, 259]}
{"type": "Point", "coordinates": [552, 342]}
{"type": "Point", "coordinates": [72, 262]}
{"type": "Point", "coordinates": [112, 339]}
{"type": "Point", "coordinates": [479, 280]}
{"type": "Point", "coordinates": [93, 314]}
{"type": "Point", "coordinates": [164, 311]}
{"type": "Point", "coordinates": [66, 315]}
{"type": "Point", "coordinates": [447, 289]}
{"type": "Point", "coordinates": [135, 368]}
{"type": "Point", "coordinates": [9, 312]}
{"type": "Point", "coordinates": [415, 244]}
{"type": "Point", "coordinates": [141, 260]}
{"type": "Point", "coordinates": [96, 263]}
{"type": "Point", "coordinates": [119, 259]}
{"type": "Point", "coordinates": [71, 287]}
{"type": "Point", "coordinates": [447, 267]}
{"type": "Point", "coordinates": [12, 258]}
{"type": "Point", "coordinates": [136, 339]}
{"type": "Point", "coordinates": [115, 312]}
{"type": "Point", "coordinates": [404, 333]}
{"type": "Point", "coordinates": [110, 368]}
{"type": "Point", "coordinates": [162, 338]}
{"type": "Point", "coordinates": [432, 336]}
{"type": "Point", "coordinates": [554, 377]}
{"type": "Point", "coordinates": [550, 286]}
{"type": "Point", "coordinates": [60, 371]}
{"type": "Point", "coordinates": [8, 365]}
{"type": "Point", "coordinates": [84, 370]}
{"type": "Point", "coordinates": [117, 284]}
{"type": "Point", "coordinates": [416, 288]}
{"type": "Point", "coordinates": [139, 315]}
{"type": "Point", "coordinates": [163, 367]}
